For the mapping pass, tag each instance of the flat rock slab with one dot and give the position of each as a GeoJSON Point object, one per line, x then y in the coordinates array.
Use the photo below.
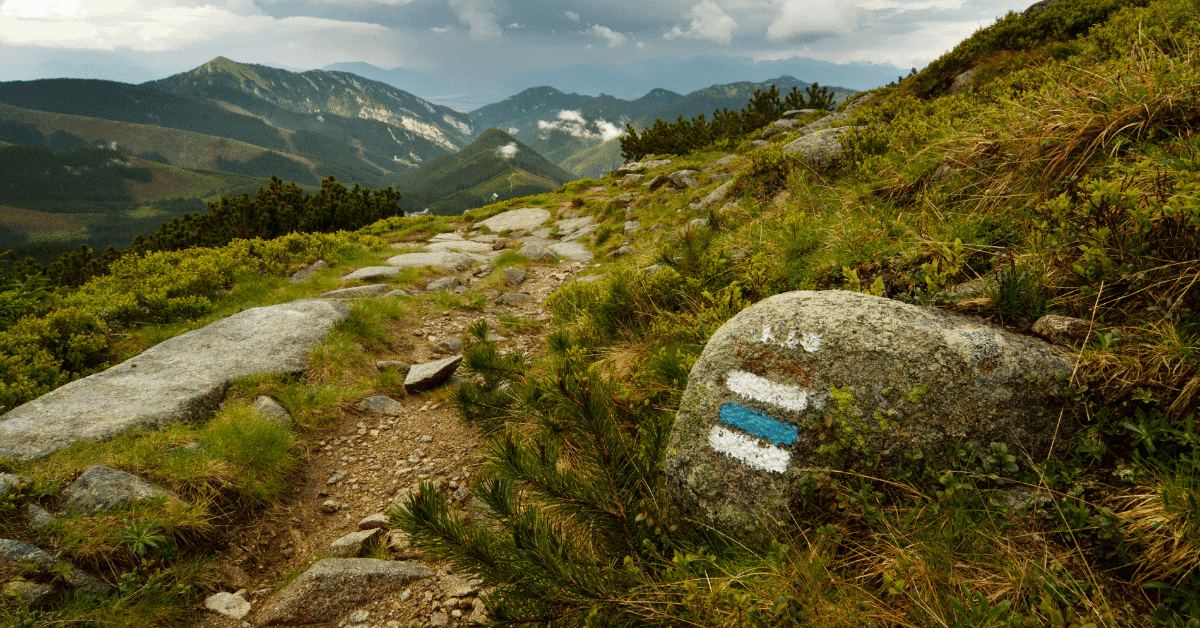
{"type": "Point", "coordinates": [381, 404]}
{"type": "Point", "coordinates": [333, 585]}
{"type": "Point", "coordinates": [425, 376]}
{"type": "Point", "coordinates": [463, 246]}
{"type": "Point", "coordinates": [575, 251]}
{"type": "Point", "coordinates": [268, 407]}
{"type": "Point", "coordinates": [179, 379]}
{"type": "Point", "coordinates": [356, 292]}
{"type": "Point", "coordinates": [227, 605]}
{"type": "Point", "coordinates": [527, 218]}
{"type": "Point", "coordinates": [101, 489]}
{"type": "Point", "coordinates": [353, 544]}
{"type": "Point", "coordinates": [448, 261]}
{"type": "Point", "coordinates": [371, 272]}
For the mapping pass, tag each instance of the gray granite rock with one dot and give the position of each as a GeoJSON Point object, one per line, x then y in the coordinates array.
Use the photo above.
{"type": "Point", "coordinates": [355, 543]}
{"type": "Point", "coordinates": [271, 409]}
{"type": "Point", "coordinates": [574, 251]}
{"type": "Point", "coordinates": [516, 298]}
{"type": "Point", "coordinates": [381, 404]}
{"type": "Point", "coordinates": [1062, 330]}
{"type": "Point", "coordinates": [621, 252]}
{"type": "Point", "coordinates": [716, 195]}
{"type": "Point", "coordinates": [304, 274]}
{"type": "Point", "coordinates": [429, 375]}
{"type": "Point", "coordinates": [838, 379]}
{"type": "Point", "coordinates": [822, 147]}
{"type": "Point", "coordinates": [798, 113]}
{"type": "Point", "coordinates": [101, 489]}
{"type": "Point", "coordinates": [537, 253]}
{"type": "Point", "coordinates": [514, 276]}
{"type": "Point", "coordinates": [333, 585]}
{"type": "Point", "coordinates": [377, 520]}
{"type": "Point", "coordinates": [17, 553]}
{"type": "Point", "coordinates": [466, 246]}
{"type": "Point", "coordinates": [443, 283]}
{"type": "Point", "coordinates": [373, 272]}
{"type": "Point", "coordinates": [392, 365]}
{"type": "Point", "coordinates": [448, 345]}
{"type": "Point", "coordinates": [684, 178]}
{"type": "Point", "coordinates": [33, 594]}
{"type": "Point", "coordinates": [632, 179]}
{"type": "Point", "coordinates": [11, 481]}
{"type": "Point", "coordinates": [356, 292]}
{"type": "Point", "coordinates": [227, 605]}
{"type": "Point", "coordinates": [448, 261]}
{"type": "Point", "coordinates": [631, 226]}
{"type": "Point", "coordinates": [39, 517]}
{"type": "Point", "coordinates": [180, 379]}
{"type": "Point", "coordinates": [963, 81]}
{"type": "Point", "coordinates": [527, 218]}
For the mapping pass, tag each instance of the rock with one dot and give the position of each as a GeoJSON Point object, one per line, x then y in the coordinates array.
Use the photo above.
{"type": "Point", "coordinates": [392, 365]}
{"type": "Point", "coordinates": [684, 178]}
{"type": "Point", "coordinates": [372, 272]}
{"type": "Point", "coordinates": [500, 244]}
{"type": "Point", "coordinates": [630, 227]}
{"type": "Point", "coordinates": [575, 224]}
{"type": "Point", "coordinates": [11, 481]}
{"type": "Point", "coordinates": [537, 253]}
{"type": "Point", "coordinates": [657, 182]}
{"type": "Point", "coordinates": [397, 293]}
{"type": "Point", "coordinates": [1021, 498]}
{"type": "Point", "coordinates": [621, 252]}
{"type": "Point", "coordinates": [632, 179]}
{"type": "Point", "coordinates": [32, 594]}
{"type": "Point", "coordinates": [330, 507]}
{"type": "Point", "coordinates": [580, 234]}
{"type": "Point", "coordinates": [637, 166]}
{"type": "Point", "coordinates": [716, 195]}
{"type": "Point", "coordinates": [399, 543]}
{"type": "Point", "coordinates": [514, 276]}
{"type": "Point", "coordinates": [1062, 330]}
{"type": "Point", "coordinates": [449, 345]}
{"type": "Point", "coordinates": [574, 251]}
{"type": "Point", "coordinates": [377, 520]}
{"type": "Point", "coordinates": [759, 144]}
{"type": "Point", "coordinates": [271, 409]}
{"type": "Point", "coordinates": [448, 261]}
{"type": "Point", "coordinates": [717, 178]}
{"type": "Point", "coordinates": [861, 100]}
{"type": "Point", "coordinates": [372, 290]}
{"type": "Point", "coordinates": [527, 218]}
{"type": "Point", "coordinates": [101, 489]}
{"type": "Point", "coordinates": [227, 605]}
{"type": "Point", "coordinates": [446, 237]}
{"type": "Point", "coordinates": [16, 553]}
{"type": "Point", "coordinates": [381, 404]}
{"type": "Point", "coordinates": [652, 270]}
{"type": "Point", "coordinates": [443, 283]}
{"type": "Point", "coordinates": [822, 147]}
{"type": "Point", "coordinates": [697, 223]}
{"type": "Point", "coordinates": [727, 159]}
{"type": "Point", "coordinates": [963, 81]}
{"type": "Point", "coordinates": [798, 113]}
{"type": "Point", "coordinates": [466, 246]}
{"type": "Point", "coordinates": [839, 379]}
{"type": "Point", "coordinates": [779, 126]}
{"type": "Point", "coordinates": [454, 586]}
{"type": "Point", "coordinates": [179, 379]}
{"type": "Point", "coordinates": [332, 585]}
{"type": "Point", "coordinates": [478, 612]}
{"type": "Point", "coordinates": [39, 517]}
{"type": "Point", "coordinates": [238, 577]}
{"type": "Point", "coordinates": [439, 620]}
{"type": "Point", "coordinates": [304, 274]}
{"type": "Point", "coordinates": [355, 543]}
{"type": "Point", "coordinates": [516, 298]}
{"type": "Point", "coordinates": [428, 375]}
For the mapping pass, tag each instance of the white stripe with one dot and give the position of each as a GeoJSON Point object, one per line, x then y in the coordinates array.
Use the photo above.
{"type": "Point", "coordinates": [747, 449]}
{"type": "Point", "coordinates": [751, 386]}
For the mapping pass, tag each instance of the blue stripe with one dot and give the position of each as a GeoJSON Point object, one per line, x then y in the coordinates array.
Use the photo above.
{"type": "Point", "coordinates": [759, 424]}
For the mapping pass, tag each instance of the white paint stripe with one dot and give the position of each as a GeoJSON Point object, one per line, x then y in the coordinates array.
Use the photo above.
{"type": "Point", "coordinates": [747, 449]}
{"type": "Point", "coordinates": [751, 386]}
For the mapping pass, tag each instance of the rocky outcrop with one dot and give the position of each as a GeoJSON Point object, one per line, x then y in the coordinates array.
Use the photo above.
{"type": "Point", "coordinates": [101, 489]}
{"type": "Point", "coordinates": [372, 290]}
{"type": "Point", "coordinates": [839, 379]}
{"type": "Point", "coordinates": [179, 379]}
{"type": "Point", "coordinates": [526, 218]}
{"type": "Point", "coordinates": [821, 147]}
{"type": "Point", "coordinates": [19, 553]}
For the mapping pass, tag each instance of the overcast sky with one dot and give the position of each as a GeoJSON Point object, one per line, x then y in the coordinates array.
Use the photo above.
{"type": "Point", "coordinates": [145, 39]}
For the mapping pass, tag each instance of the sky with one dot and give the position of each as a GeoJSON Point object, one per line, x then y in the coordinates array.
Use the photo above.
{"type": "Point", "coordinates": [138, 40]}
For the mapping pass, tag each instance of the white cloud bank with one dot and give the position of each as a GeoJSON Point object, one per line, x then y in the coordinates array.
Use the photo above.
{"type": "Point", "coordinates": [479, 16]}
{"type": "Point", "coordinates": [573, 123]}
{"type": "Point", "coordinates": [611, 37]}
{"type": "Point", "coordinates": [709, 22]}
{"type": "Point", "coordinates": [508, 151]}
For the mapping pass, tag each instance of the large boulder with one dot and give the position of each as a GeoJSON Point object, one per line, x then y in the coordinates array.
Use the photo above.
{"type": "Point", "coordinates": [821, 147]}
{"type": "Point", "coordinates": [101, 489]}
{"type": "Point", "coordinates": [525, 218]}
{"type": "Point", "coordinates": [328, 588]}
{"type": "Point", "coordinates": [179, 379]}
{"type": "Point", "coordinates": [808, 380]}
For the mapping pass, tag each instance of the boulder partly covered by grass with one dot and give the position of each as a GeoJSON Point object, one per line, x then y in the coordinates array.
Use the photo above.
{"type": "Point", "coordinates": [808, 380]}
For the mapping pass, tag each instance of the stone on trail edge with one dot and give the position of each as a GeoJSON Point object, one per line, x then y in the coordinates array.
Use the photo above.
{"type": "Point", "coordinates": [807, 380]}
{"type": "Point", "coordinates": [448, 261]}
{"type": "Point", "coordinates": [100, 489]}
{"type": "Point", "coordinates": [16, 553]}
{"type": "Point", "coordinates": [328, 588]}
{"type": "Point", "coordinates": [425, 376]}
{"type": "Point", "coordinates": [179, 379]}
{"type": "Point", "coordinates": [527, 218]}
{"type": "Point", "coordinates": [371, 272]}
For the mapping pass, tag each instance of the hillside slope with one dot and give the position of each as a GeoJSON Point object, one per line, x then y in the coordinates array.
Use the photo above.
{"type": "Point", "coordinates": [495, 167]}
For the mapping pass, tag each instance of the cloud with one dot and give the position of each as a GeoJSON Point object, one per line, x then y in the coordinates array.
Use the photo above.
{"type": "Point", "coordinates": [155, 26]}
{"type": "Point", "coordinates": [508, 151]}
{"type": "Point", "coordinates": [709, 22]}
{"type": "Point", "coordinates": [478, 16]}
{"type": "Point", "coordinates": [808, 19]}
{"type": "Point", "coordinates": [613, 38]}
{"type": "Point", "coordinates": [573, 123]}
{"type": "Point", "coordinates": [571, 15]}
{"type": "Point", "coordinates": [515, 25]}
{"type": "Point", "coordinates": [440, 29]}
